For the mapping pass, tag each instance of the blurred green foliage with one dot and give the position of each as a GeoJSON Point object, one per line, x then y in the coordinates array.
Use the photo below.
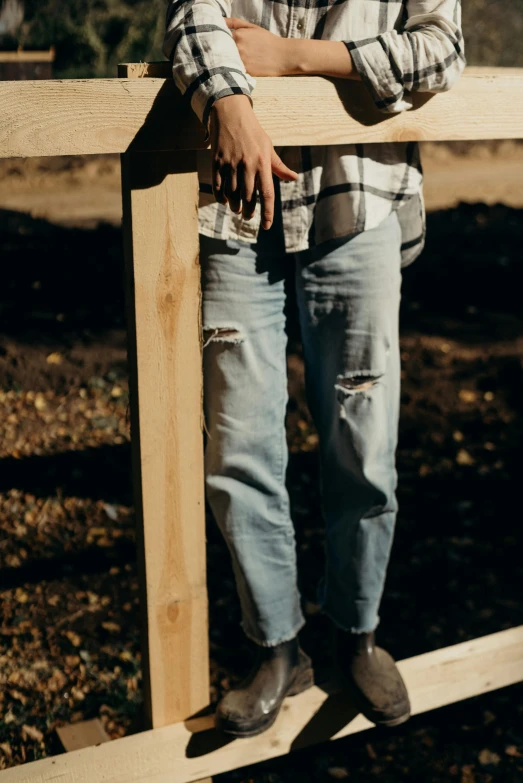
{"type": "Point", "coordinates": [92, 36]}
{"type": "Point", "coordinates": [493, 32]}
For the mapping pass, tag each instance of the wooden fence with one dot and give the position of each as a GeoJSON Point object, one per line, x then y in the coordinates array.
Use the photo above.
{"type": "Point", "coordinates": [22, 65]}
{"type": "Point", "coordinates": [141, 116]}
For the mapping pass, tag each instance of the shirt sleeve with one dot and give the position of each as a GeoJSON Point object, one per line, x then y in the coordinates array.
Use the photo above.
{"type": "Point", "coordinates": [426, 55]}
{"type": "Point", "coordinates": [205, 59]}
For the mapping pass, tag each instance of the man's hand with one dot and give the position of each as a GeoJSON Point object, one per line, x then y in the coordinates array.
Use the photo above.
{"type": "Point", "coordinates": [243, 159]}
{"type": "Point", "coordinates": [262, 52]}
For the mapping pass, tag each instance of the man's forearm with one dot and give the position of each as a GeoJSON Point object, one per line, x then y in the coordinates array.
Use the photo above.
{"type": "Point", "coordinates": [265, 54]}
{"type": "Point", "coordinates": [205, 60]}
{"type": "Point", "coordinates": [321, 58]}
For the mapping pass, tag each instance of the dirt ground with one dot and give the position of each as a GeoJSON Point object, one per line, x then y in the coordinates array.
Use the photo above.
{"type": "Point", "coordinates": [69, 641]}
{"type": "Point", "coordinates": [84, 191]}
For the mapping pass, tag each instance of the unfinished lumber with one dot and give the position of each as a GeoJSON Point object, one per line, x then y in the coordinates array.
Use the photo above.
{"type": "Point", "coordinates": [192, 750]}
{"type": "Point", "coordinates": [75, 117]}
{"type": "Point", "coordinates": [84, 734]}
{"type": "Point", "coordinates": [31, 56]}
{"type": "Point", "coordinates": [160, 196]}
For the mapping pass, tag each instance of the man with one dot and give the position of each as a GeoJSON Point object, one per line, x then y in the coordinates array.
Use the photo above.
{"type": "Point", "coordinates": [347, 218]}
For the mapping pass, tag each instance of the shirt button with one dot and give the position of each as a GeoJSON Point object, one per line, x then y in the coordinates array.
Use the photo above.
{"type": "Point", "coordinates": [300, 25]}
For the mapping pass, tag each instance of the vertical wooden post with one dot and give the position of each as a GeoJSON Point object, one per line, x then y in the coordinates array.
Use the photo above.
{"type": "Point", "coordinates": [160, 196]}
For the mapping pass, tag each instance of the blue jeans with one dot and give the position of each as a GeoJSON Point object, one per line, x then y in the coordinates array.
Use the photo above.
{"type": "Point", "coordinates": [348, 293]}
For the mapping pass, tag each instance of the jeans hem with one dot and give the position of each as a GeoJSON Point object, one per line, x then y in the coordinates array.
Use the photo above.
{"type": "Point", "coordinates": [274, 643]}
{"type": "Point", "coordinates": [363, 628]}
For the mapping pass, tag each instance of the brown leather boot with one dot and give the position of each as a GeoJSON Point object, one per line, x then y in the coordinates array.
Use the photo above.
{"type": "Point", "coordinates": [371, 678]}
{"type": "Point", "coordinates": [253, 706]}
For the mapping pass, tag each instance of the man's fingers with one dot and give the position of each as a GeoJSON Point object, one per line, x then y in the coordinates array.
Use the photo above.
{"type": "Point", "coordinates": [235, 24]}
{"type": "Point", "coordinates": [249, 183]}
{"type": "Point", "coordinates": [234, 191]}
{"type": "Point", "coordinates": [249, 194]}
{"type": "Point", "coordinates": [218, 183]}
{"type": "Point", "coordinates": [281, 170]}
{"type": "Point", "coordinates": [266, 188]}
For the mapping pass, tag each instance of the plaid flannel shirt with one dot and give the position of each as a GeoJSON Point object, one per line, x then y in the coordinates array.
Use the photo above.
{"type": "Point", "coordinates": [397, 47]}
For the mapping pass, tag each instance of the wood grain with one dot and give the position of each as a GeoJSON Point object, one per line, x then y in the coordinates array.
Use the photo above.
{"type": "Point", "coordinates": [110, 115]}
{"type": "Point", "coordinates": [160, 194]}
{"type": "Point", "coordinates": [191, 751]}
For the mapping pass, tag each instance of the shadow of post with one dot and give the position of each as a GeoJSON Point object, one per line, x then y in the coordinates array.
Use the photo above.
{"type": "Point", "coordinates": [157, 134]}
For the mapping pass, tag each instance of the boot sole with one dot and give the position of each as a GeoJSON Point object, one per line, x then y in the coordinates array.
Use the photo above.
{"type": "Point", "coordinates": [393, 722]}
{"type": "Point", "coordinates": [303, 682]}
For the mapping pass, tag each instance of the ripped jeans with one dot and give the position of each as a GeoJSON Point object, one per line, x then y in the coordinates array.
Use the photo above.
{"type": "Point", "coordinates": [348, 293]}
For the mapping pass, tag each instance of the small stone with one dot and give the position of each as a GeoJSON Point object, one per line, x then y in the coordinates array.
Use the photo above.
{"type": "Point", "coordinates": [487, 757]}
{"type": "Point", "coordinates": [464, 458]}
{"type": "Point", "coordinates": [40, 402]}
{"type": "Point", "coordinates": [111, 512]}
{"type": "Point", "coordinates": [338, 773]}
{"type": "Point", "coordinates": [32, 732]}
{"type": "Point", "coordinates": [467, 774]}
{"type": "Point", "coordinates": [21, 596]}
{"type": "Point", "coordinates": [467, 395]}
{"type": "Point", "coordinates": [111, 627]}
{"type": "Point", "coordinates": [74, 638]}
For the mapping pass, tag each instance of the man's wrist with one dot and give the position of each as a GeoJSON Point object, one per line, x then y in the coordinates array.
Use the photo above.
{"type": "Point", "coordinates": [297, 56]}
{"type": "Point", "coordinates": [228, 102]}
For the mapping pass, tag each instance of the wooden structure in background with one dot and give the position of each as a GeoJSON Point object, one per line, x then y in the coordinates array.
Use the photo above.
{"type": "Point", "coordinates": [21, 65]}
{"type": "Point", "coordinates": [142, 116]}
{"type": "Point", "coordinates": [85, 734]}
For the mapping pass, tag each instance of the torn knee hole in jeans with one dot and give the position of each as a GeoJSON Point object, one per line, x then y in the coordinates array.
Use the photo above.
{"type": "Point", "coordinates": [357, 383]}
{"type": "Point", "coordinates": [221, 334]}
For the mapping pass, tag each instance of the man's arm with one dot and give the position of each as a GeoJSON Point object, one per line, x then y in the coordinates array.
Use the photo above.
{"type": "Point", "coordinates": [426, 56]}
{"type": "Point", "coordinates": [207, 67]}
{"type": "Point", "coordinates": [205, 60]}
{"type": "Point", "coordinates": [265, 54]}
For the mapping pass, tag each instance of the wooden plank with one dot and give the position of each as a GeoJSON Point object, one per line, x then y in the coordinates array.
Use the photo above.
{"type": "Point", "coordinates": [109, 115]}
{"type": "Point", "coordinates": [189, 751]}
{"type": "Point", "coordinates": [162, 70]}
{"type": "Point", "coordinates": [20, 56]}
{"type": "Point", "coordinates": [82, 735]}
{"type": "Point", "coordinates": [160, 198]}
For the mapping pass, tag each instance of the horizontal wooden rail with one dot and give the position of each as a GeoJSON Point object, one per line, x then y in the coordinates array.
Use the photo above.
{"type": "Point", "coordinates": [21, 56]}
{"type": "Point", "coordinates": [188, 752]}
{"type": "Point", "coordinates": [112, 115]}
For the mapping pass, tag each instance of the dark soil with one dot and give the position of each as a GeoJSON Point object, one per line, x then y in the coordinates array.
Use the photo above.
{"type": "Point", "coordinates": [69, 641]}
